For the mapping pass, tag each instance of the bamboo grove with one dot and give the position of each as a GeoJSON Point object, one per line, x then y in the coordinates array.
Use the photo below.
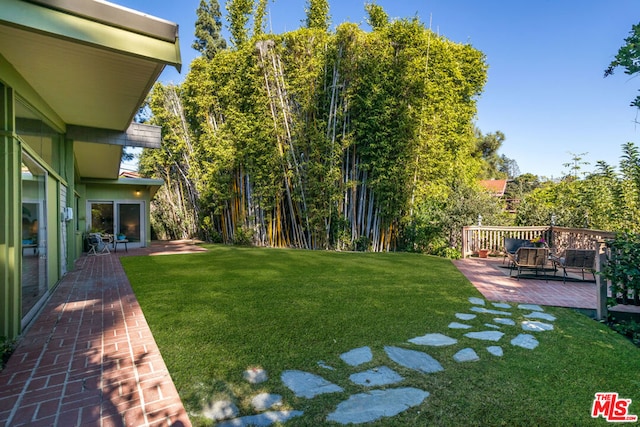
{"type": "Point", "coordinates": [316, 139]}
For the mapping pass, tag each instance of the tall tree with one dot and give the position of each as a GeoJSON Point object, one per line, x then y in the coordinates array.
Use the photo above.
{"type": "Point", "coordinates": [209, 40]}
{"type": "Point", "coordinates": [317, 14]}
{"type": "Point", "coordinates": [238, 13]}
{"type": "Point", "coordinates": [487, 147]}
{"type": "Point", "coordinates": [628, 57]}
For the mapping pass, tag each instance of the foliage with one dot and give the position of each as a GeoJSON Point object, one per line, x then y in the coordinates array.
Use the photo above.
{"type": "Point", "coordinates": [175, 213]}
{"type": "Point", "coordinates": [602, 199]}
{"type": "Point", "coordinates": [314, 139]}
{"type": "Point", "coordinates": [436, 226]}
{"type": "Point", "coordinates": [376, 16]}
{"type": "Point", "coordinates": [209, 40]}
{"type": "Point", "coordinates": [623, 266]}
{"type": "Point", "coordinates": [628, 57]}
{"type": "Point", "coordinates": [317, 14]}
{"type": "Point", "coordinates": [238, 13]}
{"type": "Point", "coordinates": [215, 314]}
{"type": "Point", "coordinates": [7, 347]}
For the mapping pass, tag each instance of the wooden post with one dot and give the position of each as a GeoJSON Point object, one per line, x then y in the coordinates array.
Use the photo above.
{"type": "Point", "coordinates": [601, 283]}
{"type": "Point", "coordinates": [465, 242]}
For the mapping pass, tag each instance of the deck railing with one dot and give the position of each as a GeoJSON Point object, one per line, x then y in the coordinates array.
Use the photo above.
{"type": "Point", "coordinates": [475, 238]}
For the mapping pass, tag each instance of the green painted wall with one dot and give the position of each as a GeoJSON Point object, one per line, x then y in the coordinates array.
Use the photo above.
{"type": "Point", "coordinates": [10, 218]}
{"type": "Point", "coordinates": [53, 231]}
{"type": "Point", "coordinates": [120, 193]}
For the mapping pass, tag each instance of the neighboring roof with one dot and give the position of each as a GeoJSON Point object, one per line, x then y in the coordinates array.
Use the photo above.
{"type": "Point", "coordinates": [129, 174]}
{"type": "Point", "coordinates": [90, 70]}
{"type": "Point", "coordinates": [496, 187]}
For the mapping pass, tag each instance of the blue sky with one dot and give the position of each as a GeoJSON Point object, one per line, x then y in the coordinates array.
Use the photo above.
{"type": "Point", "coordinates": [545, 89]}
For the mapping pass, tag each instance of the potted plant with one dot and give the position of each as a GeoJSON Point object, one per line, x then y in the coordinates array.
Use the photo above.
{"type": "Point", "coordinates": [483, 252]}
{"type": "Point", "coordinates": [538, 242]}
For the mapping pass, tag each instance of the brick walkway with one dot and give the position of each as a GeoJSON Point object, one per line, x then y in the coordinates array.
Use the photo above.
{"type": "Point", "coordinates": [90, 359]}
{"type": "Point", "coordinates": [494, 283]}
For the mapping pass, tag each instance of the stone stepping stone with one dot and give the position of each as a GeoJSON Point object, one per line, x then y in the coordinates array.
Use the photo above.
{"type": "Point", "coordinates": [413, 359]}
{"type": "Point", "coordinates": [221, 410]}
{"type": "Point", "coordinates": [533, 307]}
{"type": "Point", "coordinates": [466, 355]}
{"type": "Point", "coordinates": [323, 365]}
{"type": "Point", "coordinates": [496, 350]}
{"type": "Point", "coordinates": [305, 384]}
{"type": "Point", "coordinates": [535, 326]}
{"type": "Point", "coordinates": [436, 340]}
{"type": "Point", "coordinates": [491, 325]}
{"type": "Point", "coordinates": [376, 404]}
{"type": "Point", "coordinates": [485, 335]}
{"type": "Point", "coordinates": [264, 419]}
{"type": "Point", "coordinates": [265, 401]}
{"type": "Point", "coordinates": [525, 341]}
{"type": "Point", "coordinates": [465, 316]}
{"type": "Point", "coordinates": [456, 325]}
{"type": "Point", "coordinates": [501, 305]}
{"type": "Point", "coordinates": [476, 301]}
{"type": "Point", "coordinates": [255, 375]}
{"type": "Point", "coordinates": [539, 315]}
{"type": "Point", "coordinates": [357, 356]}
{"type": "Point", "coordinates": [376, 377]}
{"type": "Point", "coordinates": [489, 311]}
{"type": "Point", "coordinates": [509, 322]}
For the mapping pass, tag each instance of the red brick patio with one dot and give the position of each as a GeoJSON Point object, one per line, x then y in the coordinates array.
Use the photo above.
{"type": "Point", "coordinates": [90, 359]}
{"type": "Point", "coordinates": [494, 283]}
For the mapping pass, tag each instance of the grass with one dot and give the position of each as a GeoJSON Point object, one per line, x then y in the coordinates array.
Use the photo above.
{"type": "Point", "coordinates": [218, 313]}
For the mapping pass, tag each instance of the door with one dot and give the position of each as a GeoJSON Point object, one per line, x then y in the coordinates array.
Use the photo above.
{"type": "Point", "coordinates": [130, 222]}
{"type": "Point", "coordinates": [123, 218]}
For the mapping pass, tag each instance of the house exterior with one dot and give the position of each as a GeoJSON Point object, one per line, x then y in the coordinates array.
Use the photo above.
{"type": "Point", "coordinates": [73, 74]}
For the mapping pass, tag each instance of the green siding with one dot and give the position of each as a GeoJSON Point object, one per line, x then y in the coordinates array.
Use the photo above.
{"type": "Point", "coordinates": [10, 219]}
{"type": "Point", "coordinates": [53, 231]}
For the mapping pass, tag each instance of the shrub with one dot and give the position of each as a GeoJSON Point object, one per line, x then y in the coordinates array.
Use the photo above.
{"type": "Point", "coordinates": [6, 349]}
{"type": "Point", "coordinates": [623, 266]}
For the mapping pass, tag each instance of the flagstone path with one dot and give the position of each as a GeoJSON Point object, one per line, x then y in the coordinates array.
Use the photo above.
{"type": "Point", "coordinates": [389, 402]}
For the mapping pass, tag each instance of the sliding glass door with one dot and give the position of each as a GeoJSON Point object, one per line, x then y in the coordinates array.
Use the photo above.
{"type": "Point", "coordinates": [125, 219]}
{"type": "Point", "coordinates": [34, 236]}
{"type": "Point", "coordinates": [130, 221]}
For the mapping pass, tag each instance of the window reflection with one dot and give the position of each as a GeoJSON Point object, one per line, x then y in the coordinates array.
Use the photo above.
{"type": "Point", "coordinates": [34, 234]}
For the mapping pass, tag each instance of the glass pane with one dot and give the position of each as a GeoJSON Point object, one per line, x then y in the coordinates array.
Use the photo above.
{"type": "Point", "coordinates": [101, 218]}
{"type": "Point", "coordinates": [129, 221]}
{"type": "Point", "coordinates": [34, 234]}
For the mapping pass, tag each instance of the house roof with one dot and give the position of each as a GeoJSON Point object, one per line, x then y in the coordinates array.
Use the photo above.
{"type": "Point", "coordinates": [496, 187]}
{"type": "Point", "coordinates": [88, 63]}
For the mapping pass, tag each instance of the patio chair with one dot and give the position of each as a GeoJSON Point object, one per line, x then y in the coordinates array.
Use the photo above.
{"type": "Point", "coordinates": [578, 259]}
{"type": "Point", "coordinates": [530, 259]}
{"type": "Point", "coordinates": [97, 246]}
{"type": "Point", "coordinates": [511, 245]}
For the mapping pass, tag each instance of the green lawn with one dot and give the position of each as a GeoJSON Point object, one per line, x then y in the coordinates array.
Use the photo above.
{"type": "Point", "coordinates": [218, 313]}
